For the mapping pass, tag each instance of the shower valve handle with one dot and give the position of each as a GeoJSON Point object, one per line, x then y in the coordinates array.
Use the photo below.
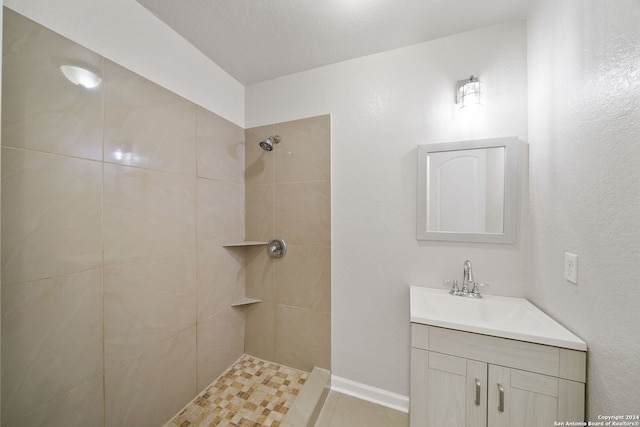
{"type": "Point", "coordinates": [277, 247]}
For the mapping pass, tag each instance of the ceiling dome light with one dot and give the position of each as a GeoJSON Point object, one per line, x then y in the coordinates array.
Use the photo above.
{"type": "Point", "coordinates": [81, 76]}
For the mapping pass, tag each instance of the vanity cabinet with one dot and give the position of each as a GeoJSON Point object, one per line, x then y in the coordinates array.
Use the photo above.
{"type": "Point", "coordinates": [464, 379]}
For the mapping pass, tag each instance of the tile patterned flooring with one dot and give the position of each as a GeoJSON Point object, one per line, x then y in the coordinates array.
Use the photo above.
{"type": "Point", "coordinates": [251, 393]}
{"type": "Point", "coordinates": [257, 393]}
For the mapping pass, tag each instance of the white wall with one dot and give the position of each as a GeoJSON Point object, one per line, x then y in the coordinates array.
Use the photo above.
{"type": "Point", "coordinates": [128, 34]}
{"type": "Point", "coordinates": [584, 131]}
{"type": "Point", "coordinates": [382, 107]}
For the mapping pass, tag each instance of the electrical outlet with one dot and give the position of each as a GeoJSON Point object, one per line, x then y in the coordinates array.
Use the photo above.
{"type": "Point", "coordinates": [571, 267]}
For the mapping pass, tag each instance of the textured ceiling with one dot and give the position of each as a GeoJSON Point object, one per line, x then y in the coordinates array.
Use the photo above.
{"type": "Point", "coordinates": [257, 40]}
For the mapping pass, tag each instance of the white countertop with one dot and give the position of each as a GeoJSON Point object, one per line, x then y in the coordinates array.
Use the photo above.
{"type": "Point", "coordinates": [505, 317]}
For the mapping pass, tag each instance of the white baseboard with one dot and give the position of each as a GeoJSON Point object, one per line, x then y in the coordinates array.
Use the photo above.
{"type": "Point", "coordinates": [370, 394]}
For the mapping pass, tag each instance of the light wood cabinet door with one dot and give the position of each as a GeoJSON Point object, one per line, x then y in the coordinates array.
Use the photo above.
{"type": "Point", "coordinates": [521, 399]}
{"type": "Point", "coordinates": [477, 383]}
{"type": "Point", "coordinates": [447, 395]}
{"type": "Point", "coordinates": [419, 401]}
{"type": "Point", "coordinates": [447, 391]}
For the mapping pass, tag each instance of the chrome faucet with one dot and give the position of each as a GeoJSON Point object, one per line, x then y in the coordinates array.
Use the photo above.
{"type": "Point", "coordinates": [467, 277]}
{"type": "Point", "coordinates": [469, 286]}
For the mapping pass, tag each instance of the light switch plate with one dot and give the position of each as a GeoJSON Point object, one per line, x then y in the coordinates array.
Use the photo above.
{"type": "Point", "coordinates": [571, 267]}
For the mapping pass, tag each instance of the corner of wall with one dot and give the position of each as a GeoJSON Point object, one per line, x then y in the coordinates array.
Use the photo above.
{"type": "Point", "coordinates": [128, 34]}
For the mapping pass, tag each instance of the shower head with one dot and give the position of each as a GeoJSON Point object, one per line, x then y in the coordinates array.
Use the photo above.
{"type": "Point", "coordinates": [267, 144]}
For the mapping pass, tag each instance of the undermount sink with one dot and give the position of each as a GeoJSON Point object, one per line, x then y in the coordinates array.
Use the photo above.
{"type": "Point", "coordinates": [505, 317]}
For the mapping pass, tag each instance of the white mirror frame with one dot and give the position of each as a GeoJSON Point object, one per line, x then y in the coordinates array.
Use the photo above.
{"type": "Point", "coordinates": [511, 191]}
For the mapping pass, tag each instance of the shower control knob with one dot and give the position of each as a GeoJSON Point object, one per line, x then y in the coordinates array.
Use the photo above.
{"type": "Point", "coordinates": [277, 247]}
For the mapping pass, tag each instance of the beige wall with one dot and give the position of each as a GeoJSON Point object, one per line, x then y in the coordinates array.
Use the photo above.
{"type": "Point", "coordinates": [116, 202]}
{"type": "Point", "coordinates": [288, 194]}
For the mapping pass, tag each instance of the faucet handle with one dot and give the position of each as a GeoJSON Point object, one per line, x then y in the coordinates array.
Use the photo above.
{"type": "Point", "coordinates": [454, 286]}
{"type": "Point", "coordinates": [475, 289]}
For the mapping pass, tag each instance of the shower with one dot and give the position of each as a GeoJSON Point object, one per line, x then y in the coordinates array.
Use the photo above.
{"type": "Point", "coordinates": [268, 143]}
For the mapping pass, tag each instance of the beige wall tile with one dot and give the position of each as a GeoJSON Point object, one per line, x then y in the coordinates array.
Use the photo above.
{"type": "Point", "coordinates": [146, 125]}
{"type": "Point", "coordinates": [259, 335]}
{"type": "Point", "coordinates": [220, 343]}
{"type": "Point", "coordinates": [51, 215]}
{"type": "Point", "coordinates": [303, 278]}
{"type": "Point", "coordinates": [51, 339]}
{"type": "Point", "coordinates": [150, 388]}
{"type": "Point", "coordinates": [259, 164]}
{"type": "Point", "coordinates": [220, 280]}
{"type": "Point", "coordinates": [298, 208]}
{"type": "Point", "coordinates": [41, 109]}
{"type": "Point", "coordinates": [303, 213]}
{"type": "Point", "coordinates": [152, 206]}
{"type": "Point", "coordinates": [220, 213]}
{"type": "Point", "coordinates": [81, 406]}
{"type": "Point", "coordinates": [260, 212]}
{"type": "Point", "coordinates": [304, 152]}
{"type": "Point", "coordinates": [220, 148]}
{"type": "Point", "coordinates": [147, 214]}
{"type": "Point", "coordinates": [303, 338]}
{"type": "Point", "coordinates": [146, 303]}
{"type": "Point", "coordinates": [259, 282]}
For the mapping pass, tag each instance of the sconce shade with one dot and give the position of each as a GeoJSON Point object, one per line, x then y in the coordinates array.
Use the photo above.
{"type": "Point", "coordinates": [468, 92]}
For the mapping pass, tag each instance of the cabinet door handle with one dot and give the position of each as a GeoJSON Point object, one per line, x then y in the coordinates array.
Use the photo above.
{"type": "Point", "coordinates": [500, 398]}
{"type": "Point", "coordinates": [477, 402]}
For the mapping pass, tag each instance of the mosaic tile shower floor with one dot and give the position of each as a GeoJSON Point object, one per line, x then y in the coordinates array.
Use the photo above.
{"type": "Point", "coordinates": [251, 393]}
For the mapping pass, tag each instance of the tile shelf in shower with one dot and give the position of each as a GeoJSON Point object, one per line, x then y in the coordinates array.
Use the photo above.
{"type": "Point", "coordinates": [244, 301]}
{"type": "Point", "coordinates": [243, 243]}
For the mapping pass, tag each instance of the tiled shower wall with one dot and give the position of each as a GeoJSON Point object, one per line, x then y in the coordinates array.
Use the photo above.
{"type": "Point", "coordinates": [115, 204]}
{"type": "Point", "coordinates": [288, 194]}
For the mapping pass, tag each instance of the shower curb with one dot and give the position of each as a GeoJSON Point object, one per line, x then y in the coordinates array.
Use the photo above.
{"type": "Point", "coordinates": [306, 408]}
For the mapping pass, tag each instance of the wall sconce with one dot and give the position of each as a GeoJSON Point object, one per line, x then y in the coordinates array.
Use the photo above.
{"type": "Point", "coordinates": [468, 92]}
{"type": "Point", "coordinates": [81, 76]}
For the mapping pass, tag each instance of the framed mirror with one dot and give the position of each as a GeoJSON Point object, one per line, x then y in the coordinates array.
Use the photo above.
{"type": "Point", "coordinates": [468, 190]}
